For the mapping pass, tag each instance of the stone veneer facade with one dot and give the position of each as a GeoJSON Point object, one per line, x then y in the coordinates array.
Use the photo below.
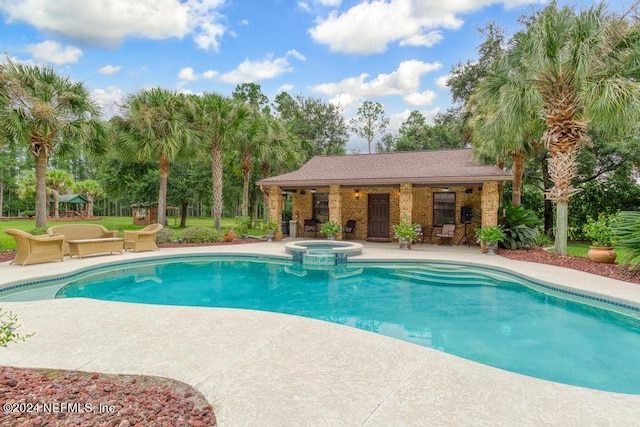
{"type": "Point", "coordinates": [414, 202]}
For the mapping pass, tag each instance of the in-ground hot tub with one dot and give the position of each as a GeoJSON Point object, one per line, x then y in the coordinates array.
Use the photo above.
{"type": "Point", "coordinates": [325, 252]}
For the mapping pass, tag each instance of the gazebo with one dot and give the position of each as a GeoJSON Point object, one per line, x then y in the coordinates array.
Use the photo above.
{"type": "Point", "coordinates": [71, 205]}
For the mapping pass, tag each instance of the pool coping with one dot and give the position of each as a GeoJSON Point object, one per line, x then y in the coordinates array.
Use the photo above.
{"type": "Point", "coordinates": [289, 369]}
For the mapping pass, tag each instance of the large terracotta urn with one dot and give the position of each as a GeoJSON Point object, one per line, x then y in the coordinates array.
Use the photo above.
{"type": "Point", "coordinates": [603, 254]}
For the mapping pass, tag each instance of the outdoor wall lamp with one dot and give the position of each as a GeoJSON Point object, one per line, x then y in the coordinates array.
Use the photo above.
{"type": "Point", "coordinates": [357, 194]}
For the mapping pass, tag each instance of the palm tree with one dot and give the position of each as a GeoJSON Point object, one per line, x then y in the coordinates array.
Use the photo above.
{"type": "Point", "coordinates": [218, 121]}
{"type": "Point", "coordinates": [92, 190]}
{"type": "Point", "coordinates": [584, 70]}
{"type": "Point", "coordinates": [45, 111]}
{"type": "Point", "coordinates": [57, 181]}
{"type": "Point", "coordinates": [155, 128]}
{"type": "Point", "coordinates": [503, 123]}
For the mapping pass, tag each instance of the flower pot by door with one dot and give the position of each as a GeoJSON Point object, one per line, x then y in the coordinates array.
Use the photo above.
{"type": "Point", "coordinates": [491, 248]}
{"type": "Point", "coordinates": [405, 244]}
{"type": "Point", "coordinates": [604, 254]}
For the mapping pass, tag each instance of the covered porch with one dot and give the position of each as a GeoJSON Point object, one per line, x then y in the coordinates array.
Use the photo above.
{"type": "Point", "coordinates": [381, 190]}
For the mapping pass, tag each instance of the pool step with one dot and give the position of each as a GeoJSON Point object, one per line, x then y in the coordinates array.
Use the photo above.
{"type": "Point", "coordinates": [447, 278]}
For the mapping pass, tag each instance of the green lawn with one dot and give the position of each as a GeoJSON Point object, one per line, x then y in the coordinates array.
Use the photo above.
{"type": "Point", "coordinates": [111, 223]}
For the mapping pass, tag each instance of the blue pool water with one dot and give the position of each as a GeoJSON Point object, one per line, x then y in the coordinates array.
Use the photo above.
{"type": "Point", "coordinates": [481, 315]}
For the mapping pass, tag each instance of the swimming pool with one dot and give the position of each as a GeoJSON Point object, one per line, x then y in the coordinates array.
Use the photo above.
{"type": "Point", "coordinates": [479, 314]}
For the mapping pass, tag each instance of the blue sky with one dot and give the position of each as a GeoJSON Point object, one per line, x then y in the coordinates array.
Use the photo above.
{"type": "Point", "coordinates": [396, 52]}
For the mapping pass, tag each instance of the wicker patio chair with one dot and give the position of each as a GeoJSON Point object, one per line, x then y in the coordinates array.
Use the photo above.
{"type": "Point", "coordinates": [310, 226]}
{"type": "Point", "coordinates": [36, 249]}
{"type": "Point", "coordinates": [446, 235]}
{"type": "Point", "coordinates": [142, 240]}
{"type": "Point", "coordinates": [350, 228]}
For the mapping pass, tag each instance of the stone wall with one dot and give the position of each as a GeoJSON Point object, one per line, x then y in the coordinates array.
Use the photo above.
{"type": "Point", "coordinates": [274, 204]}
{"type": "Point", "coordinates": [490, 203]}
{"type": "Point", "coordinates": [416, 201]}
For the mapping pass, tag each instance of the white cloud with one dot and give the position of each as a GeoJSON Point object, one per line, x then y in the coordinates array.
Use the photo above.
{"type": "Point", "coordinates": [309, 7]}
{"type": "Point", "coordinates": [187, 74]}
{"type": "Point", "coordinates": [303, 5]}
{"type": "Point", "coordinates": [54, 53]}
{"type": "Point", "coordinates": [253, 71]}
{"type": "Point", "coordinates": [420, 98]}
{"type": "Point", "coordinates": [209, 74]}
{"type": "Point", "coordinates": [403, 81]}
{"type": "Point", "coordinates": [285, 88]}
{"type": "Point", "coordinates": [441, 81]}
{"type": "Point", "coordinates": [427, 40]}
{"type": "Point", "coordinates": [110, 22]}
{"type": "Point", "coordinates": [110, 101]}
{"type": "Point", "coordinates": [110, 69]}
{"type": "Point", "coordinates": [369, 26]}
{"type": "Point", "coordinates": [345, 100]}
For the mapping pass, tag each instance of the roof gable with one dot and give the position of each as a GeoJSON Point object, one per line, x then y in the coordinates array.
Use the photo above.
{"type": "Point", "coordinates": [72, 198]}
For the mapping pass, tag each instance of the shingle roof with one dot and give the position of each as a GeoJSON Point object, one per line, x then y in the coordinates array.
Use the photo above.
{"type": "Point", "coordinates": [72, 198]}
{"type": "Point", "coordinates": [418, 167]}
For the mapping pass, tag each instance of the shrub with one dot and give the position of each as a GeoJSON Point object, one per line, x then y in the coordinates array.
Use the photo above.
{"type": "Point", "coordinates": [599, 231]}
{"type": "Point", "coordinates": [8, 326]}
{"type": "Point", "coordinates": [519, 224]}
{"type": "Point", "coordinates": [406, 230]}
{"type": "Point", "coordinates": [626, 229]}
{"type": "Point", "coordinates": [331, 228]}
{"type": "Point", "coordinates": [39, 231]}
{"type": "Point", "coordinates": [242, 225]}
{"type": "Point", "coordinates": [270, 226]}
{"type": "Point", "coordinates": [165, 235]}
{"type": "Point", "coordinates": [543, 240]}
{"type": "Point", "coordinates": [201, 235]}
{"type": "Point", "coordinates": [490, 234]}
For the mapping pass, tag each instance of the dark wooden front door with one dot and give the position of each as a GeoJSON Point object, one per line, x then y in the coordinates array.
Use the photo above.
{"type": "Point", "coordinates": [379, 216]}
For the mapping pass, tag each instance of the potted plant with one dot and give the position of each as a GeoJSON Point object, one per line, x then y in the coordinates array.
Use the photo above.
{"type": "Point", "coordinates": [229, 235]}
{"type": "Point", "coordinates": [601, 235]}
{"type": "Point", "coordinates": [242, 226]}
{"type": "Point", "coordinates": [406, 232]}
{"type": "Point", "coordinates": [270, 228]}
{"type": "Point", "coordinates": [331, 229]}
{"type": "Point", "coordinates": [490, 235]}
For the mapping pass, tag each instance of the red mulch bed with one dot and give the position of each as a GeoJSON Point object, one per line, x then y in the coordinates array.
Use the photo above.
{"type": "Point", "coordinates": [141, 400]}
{"type": "Point", "coordinates": [38, 397]}
{"type": "Point", "coordinates": [541, 256]}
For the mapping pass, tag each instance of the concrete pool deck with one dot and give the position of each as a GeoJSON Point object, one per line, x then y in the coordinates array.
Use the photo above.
{"type": "Point", "coordinates": [259, 368]}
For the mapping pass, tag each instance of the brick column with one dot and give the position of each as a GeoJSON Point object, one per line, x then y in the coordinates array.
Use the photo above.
{"type": "Point", "coordinates": [490, 203]}
{"type": "Point", "coordinates": [274, 204]}
{"type": "Point", "coordinates": [335, 206]}
{"type": "Point", "coordinates": [406, 202]}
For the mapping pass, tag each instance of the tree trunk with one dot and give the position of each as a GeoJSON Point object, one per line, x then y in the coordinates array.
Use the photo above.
{"type": "Point", "coordinates": [89, 206]}
{"type": "Point", "coordinates": [162, 198]}
{"type": "Point", "coordinates": [246, 163]}
{"type": "Point", "coordinates": [518, 172]}
{"type": "Point", "coordinates": [56, 203]}
{"type": "Point", "coordinates": [183, 214]}
{"type": "Point", "coordinates": [2, 194]}
{"type": "Point", "coordinates": [216, 174]}
{"type": "Point", "coordinates": [41, 189]}
{"type": "Point", "coordinates": [562, 223]}
{"type": "Point", "coordinates": [548, 204]}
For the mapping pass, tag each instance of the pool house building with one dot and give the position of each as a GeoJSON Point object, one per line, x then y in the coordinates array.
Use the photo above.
{"type": "Point", "coordinates": [377, 191]}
